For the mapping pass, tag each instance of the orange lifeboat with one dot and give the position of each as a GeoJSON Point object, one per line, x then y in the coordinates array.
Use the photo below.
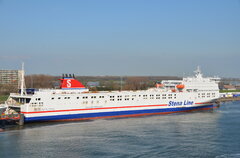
{"type": "Point", "coordinates": [158, 85]}
{"type": "Point", "coordinates": [180, 86]}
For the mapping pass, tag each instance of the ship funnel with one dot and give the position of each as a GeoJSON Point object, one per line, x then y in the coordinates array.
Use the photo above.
{"type": "Point", "coordinates": [69, 82]}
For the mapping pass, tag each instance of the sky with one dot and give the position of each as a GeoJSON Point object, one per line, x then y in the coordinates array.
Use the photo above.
{"type": "Point", "coordinates": [121, 37]}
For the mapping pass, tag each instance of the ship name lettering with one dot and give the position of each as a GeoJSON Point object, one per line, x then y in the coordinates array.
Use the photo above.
{"type": "Point", "coordinates": [178, 103]}
{"type": "Point", "coordinates": [186, 102]}
{"type": "Point", "coordinates": [174, 103]}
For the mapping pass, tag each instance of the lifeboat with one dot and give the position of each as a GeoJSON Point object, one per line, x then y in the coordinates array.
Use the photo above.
{"type": "Point", "coordinates": [180, 86]}
{"type": "Point", "coordinates": [158, 85]}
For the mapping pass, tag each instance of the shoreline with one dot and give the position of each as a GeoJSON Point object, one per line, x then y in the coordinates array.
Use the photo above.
{"type": "Point", "coordinates": [228, 99]}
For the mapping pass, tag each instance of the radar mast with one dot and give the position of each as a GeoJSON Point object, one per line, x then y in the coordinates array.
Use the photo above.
{"type": "Point", "coordinates": [22, 81]}
{"type": "Point", "coordinates": [198, 73]}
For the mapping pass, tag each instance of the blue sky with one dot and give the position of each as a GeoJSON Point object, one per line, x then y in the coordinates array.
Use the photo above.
{"type": "Point", "coordinates": [121, 37]}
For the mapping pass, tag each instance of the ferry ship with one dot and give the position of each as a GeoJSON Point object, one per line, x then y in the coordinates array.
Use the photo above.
{"type": "Point", "coordinates": [73, 101]}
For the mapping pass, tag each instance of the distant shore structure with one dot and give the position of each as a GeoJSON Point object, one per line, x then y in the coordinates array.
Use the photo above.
{"type": "Point", "coordinates": [10, 76]}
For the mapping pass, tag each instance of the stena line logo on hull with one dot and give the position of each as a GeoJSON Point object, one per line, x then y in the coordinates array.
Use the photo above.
{"type": "Point", "coordinates": [179, 103]}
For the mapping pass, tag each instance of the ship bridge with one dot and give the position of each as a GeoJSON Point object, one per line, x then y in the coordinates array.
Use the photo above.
{"type": "Point", "coordinates": [171, 84]}
{"type": "Point", "coordinates": [16, 100]}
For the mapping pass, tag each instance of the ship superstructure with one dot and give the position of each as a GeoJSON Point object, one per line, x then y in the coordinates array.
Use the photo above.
{"type": "Point", "coordinates": [75, 102]}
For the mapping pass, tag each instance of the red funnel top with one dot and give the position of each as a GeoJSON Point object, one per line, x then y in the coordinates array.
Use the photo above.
{"type": "Point", "coordinates": [70, 83]}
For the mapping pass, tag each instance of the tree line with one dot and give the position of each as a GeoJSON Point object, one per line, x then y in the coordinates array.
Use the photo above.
{"type": "Point", "coordinates": [107, 83]}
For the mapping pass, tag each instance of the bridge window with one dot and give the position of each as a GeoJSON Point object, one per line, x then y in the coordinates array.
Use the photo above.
{"type": "Point", "coordinates": [28, 100]}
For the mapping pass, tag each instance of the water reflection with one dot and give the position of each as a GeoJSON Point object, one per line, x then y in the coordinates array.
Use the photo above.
{"type": "Point", "coordinates": [200, 134]}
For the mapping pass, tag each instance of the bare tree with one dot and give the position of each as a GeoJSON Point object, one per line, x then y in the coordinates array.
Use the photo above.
{"type": "Point", "coordinates": [40, 81]}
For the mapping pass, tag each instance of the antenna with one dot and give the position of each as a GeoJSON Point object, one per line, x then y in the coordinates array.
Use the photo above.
{"type": "Point", "coordinates": [22, 81]}
{"type": "Point", "coordinates": [121, 83]}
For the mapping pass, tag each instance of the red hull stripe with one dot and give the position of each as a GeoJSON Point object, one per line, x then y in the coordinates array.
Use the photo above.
{"type": "Point", "coordinates": [204, 103]}
{"type": "Point", "coordinates": [94, 108]}
{"type": "Point", "coordinates": [100, 108]}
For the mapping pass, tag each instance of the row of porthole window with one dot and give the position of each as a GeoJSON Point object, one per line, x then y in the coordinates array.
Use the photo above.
{"type": "Point", "coordinates": [160, 97]}
{"type": "Point", "coordinates": [119, 99]}
{"type": "Point", "coordinates": [36, 105]}
{"type": "Point", "coordinates": [151, 95]}
{"type": "Point", "coordinates": [84, 97]}
{"type": "Point", "coordinates": [94, 97]}
{"type": "Point", "coordinates": [208, 95]}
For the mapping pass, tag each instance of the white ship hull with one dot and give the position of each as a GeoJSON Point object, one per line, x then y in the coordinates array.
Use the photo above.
{"type": "Point", "coordinates": [125, 104]}
{"type": "Point", "coordinates": [75, 102]}
{"type": "Point", "coordinates": [95, 113]}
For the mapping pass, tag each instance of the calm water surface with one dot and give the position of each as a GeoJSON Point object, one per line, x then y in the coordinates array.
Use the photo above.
{"type": "Point", "coordinates": [202, 134]}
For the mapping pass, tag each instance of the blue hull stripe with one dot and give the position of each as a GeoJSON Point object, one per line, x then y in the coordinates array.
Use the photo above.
{"type": "Point", "coordinates": [109, 114]}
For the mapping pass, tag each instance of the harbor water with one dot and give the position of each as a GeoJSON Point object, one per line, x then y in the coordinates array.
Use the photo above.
{"type": "Point", "coordinates": [213, 134]}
